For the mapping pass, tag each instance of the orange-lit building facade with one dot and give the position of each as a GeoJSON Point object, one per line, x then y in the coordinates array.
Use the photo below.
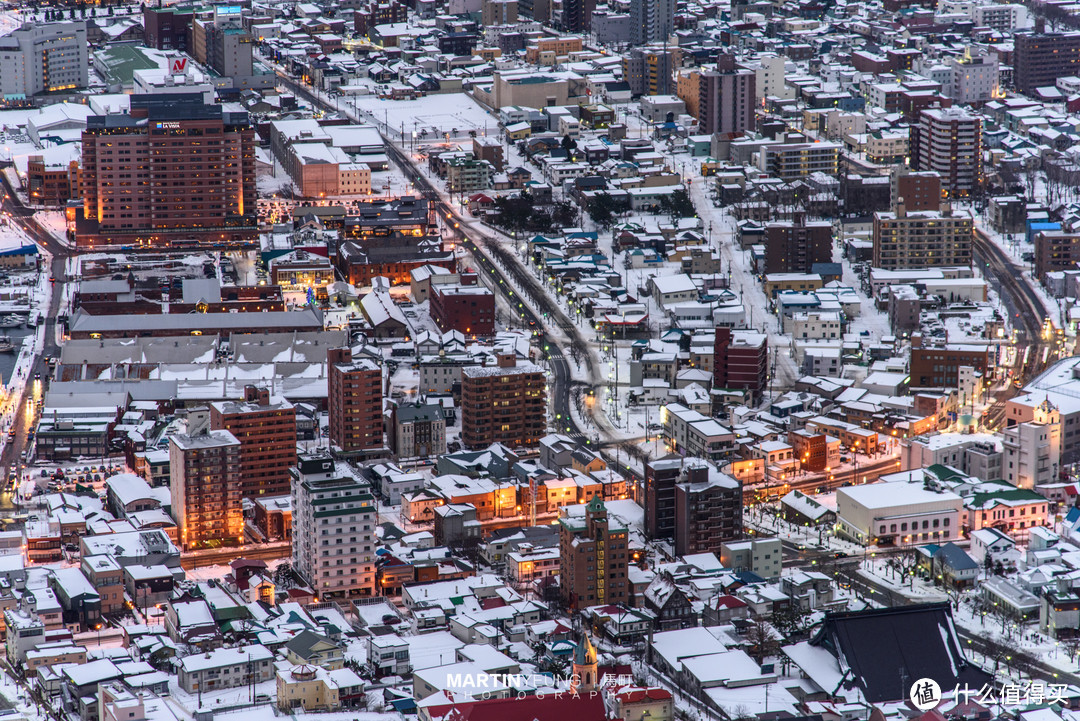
{"type": "Point", "coordinates": [174, 172]}
{"type": "Point", "coordinates": [205, 488]}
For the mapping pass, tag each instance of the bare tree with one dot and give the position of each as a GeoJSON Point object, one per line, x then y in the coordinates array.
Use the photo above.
{"type": "Point", "coordinates": [761, 639]}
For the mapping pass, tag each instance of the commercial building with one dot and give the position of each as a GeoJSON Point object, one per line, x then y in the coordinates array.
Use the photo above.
{"type": "Point", "coordinates": [898, 513]}
{"type": "Point", "coordinates": [593, 555]}
{"type": "Point", "coordinates": [948, 141]}
{"type": "Point", "coordinates": [922, 240]}
{"type": "Point", "coordinates": [652, 20]}
{"type": "Point", "coordinates": [795, 246]}
{"type": "Point", "coordinates": [417, 431]}
{"type": "Point", "coordinates": [334, 519]}
{"type": "Point", "coordinates": [1040, 59]}
{"type": "Point", "coordinates": [468, 309]}
{"type": "Point", "coordinates": [741, 360]}
{"type": "Point", "coordinates": [266, 429]}
{"type": "Point", "coordinates": [649, 71]}
{"type": "Point", "coordinates": [197, 181]}
{"type": "Point", "coordinates": [974, 78]}
{"type": "Point", "coordinates": [167, 28]}
{"type": "Point", "coordinates": [205, 488]}
{"type": "Point", "coordinates": [43, 58]}
{"type": "Point", "coordinates": [725, 98]}
{"type": "Point", "coordinates": [354, 401]}
{"type": "Point", "coordinates": [940, 367]}
{"type": "Point", "coordinates": [708, 509]}
{"type": "Point", "coordinates": [505, 403]}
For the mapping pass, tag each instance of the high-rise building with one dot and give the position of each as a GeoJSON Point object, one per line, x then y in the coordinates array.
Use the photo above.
{"type": "Point", "coordinates": [1039, 60]}
{"type": "Point", "coordinates": [794, 246]}
{"type": "Point", "coordinates": [173, 171]}
{"type": "Point", "coordinates": [922, 240]}
{"type": "Point", "coordinates": [266, 429]}
{"type": "Point", "coordinates": [726, 98]}
{"type": "Point", "coordinates": [1056, 250]}
{"type": "Point", "coordinates": [220, 41]}
{"type": "Point", "coordinates": [652, 21]}
{"type": "Point", "coordinates": [741, 361]}
{"type": "Point", "coordinates": [43, 58]}
{"type": "Point", "coordinates": [576, 15]}
{"type": "Point", "coordinates": [593, 557]}
{"type": "Point", "coordinates": [355, 402]}
{"type": "Point", "coordinates": [708, 508]}
{"type": "Point", "coordinates": [505, 403]}
{"type": "Point", "coordinates": [334, 519]}
{"type": "Point", "coordinates": [661, 475]}
{"type": "Point", "coordinates": [205, 488]}
{"type": "Point", "coordinates": [948, 141]}
{"type": "Point", "coordinates": [649, 71]}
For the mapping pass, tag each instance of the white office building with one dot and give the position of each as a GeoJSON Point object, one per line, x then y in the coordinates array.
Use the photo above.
{"type": "Point", "coordinates": [43, 58]}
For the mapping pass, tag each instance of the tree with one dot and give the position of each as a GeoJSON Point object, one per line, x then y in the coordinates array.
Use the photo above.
{"type": "Point", "coordinates": [569, 145]}
{"type": "Point", "coordinates": [761, 639]}
{"type": "Point", "coordinates": [677, 205]}
{"type": "Point", "coordinates": [792, 621]}
{"type": "Point", "coordinates": [564, 214]}
{"type": "Point", "coordinates": [604, 208]}
{"type": "Point", "coordinates": [283, 577]}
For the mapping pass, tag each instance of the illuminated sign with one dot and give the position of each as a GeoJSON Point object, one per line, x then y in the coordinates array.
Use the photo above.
{"type": "Point", "coordinates": [178, 65]}
{"type": "Point", "coordinates": [170, 125]}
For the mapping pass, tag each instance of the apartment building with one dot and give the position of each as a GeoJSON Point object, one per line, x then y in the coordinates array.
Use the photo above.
{"type": "Point", "coordinates": [795, 158]}
{"type": "Point", "coordinates": [334, 519]}
{"type": "Point", "coordinates": [205, 488]}
{"type": "Point", "coordinates": [354, 402]}
{"type": "Point", "coordinates": [948, 141]}
{"type": "Point", "coordinates": [593, 555]}
{"type": "Point", "coordinates": [795, 246]}
{"type": "Point", "coordinates": [265, 425]}
{"type": "Point", "coordinates": [1041, 58]}
{"type": "Point", "coordinates": [922, 239]}
{"type": "Point", "coordinates": [649, 71]}
{"type": "Point", "coordinates": [725, 97]}
{"type": "Point", "coordinates": [1056, 250]}
{"type": "Point", "coordinates": [740, 360]}
{"type": "Point", "coordinates": [708, 509]}
{"type": "Point", "coordinates": [505, 403]}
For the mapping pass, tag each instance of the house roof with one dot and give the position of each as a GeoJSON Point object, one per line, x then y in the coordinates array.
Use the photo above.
{"type": "Point", "coordinates": [884, 650]}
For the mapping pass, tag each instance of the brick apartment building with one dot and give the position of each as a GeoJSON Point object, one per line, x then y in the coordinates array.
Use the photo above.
{"type": "Point", "coordinates": [741, 361]}
{"type": "Point", "coordinates": [794, 246]}
{"type": "Point", "coordinates": [469, 309]}
{"type": "Point", "coordinates": [51, 185]}
{"type": "Point", "coordinates": [194, 175]}
{"type": "Point", "coordinates": [708, 509]}
{"type": "Point", "coordinates": [205, 488]}
{"type": "Point", "coordinates": [266, 429]}
{"type": "Point", "coordinates": [355, 402]}
{"type": "Point", "coordinates": [505, 403]}
{"type": "Point", "coordinates": [593, 556]}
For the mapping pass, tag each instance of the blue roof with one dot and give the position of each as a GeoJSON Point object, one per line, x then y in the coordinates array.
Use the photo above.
{"type": "Point", "coordinates": [955, 557]}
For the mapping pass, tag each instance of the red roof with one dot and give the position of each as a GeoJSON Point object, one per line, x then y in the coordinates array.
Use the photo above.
{"type": "Point", "coordinates": [549, 707]}
{"type": "Point", "coordinates": [730, 601]}
{"type": "Point", "coordinates": [481, 198]}
{"type": "Point", "coordinates": [644, 694]}
{"type": "Point", "coordinates": [493, 602]}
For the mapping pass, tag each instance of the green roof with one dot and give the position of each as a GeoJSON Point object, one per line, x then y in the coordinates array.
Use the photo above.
{"type": "Point", "coordinates": [118, 63]}
{"type": "Point", "coordinates": [1018, 494]}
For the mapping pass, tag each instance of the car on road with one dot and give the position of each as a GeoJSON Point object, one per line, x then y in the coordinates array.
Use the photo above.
{"type": "Point", "coordinates": [841, 554]}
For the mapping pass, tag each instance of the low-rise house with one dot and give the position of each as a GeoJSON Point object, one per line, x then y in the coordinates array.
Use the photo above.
{"type": "Point", "coordinates": [225, 668]}
{"type": "Point", "coordinates": [313, 649]}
